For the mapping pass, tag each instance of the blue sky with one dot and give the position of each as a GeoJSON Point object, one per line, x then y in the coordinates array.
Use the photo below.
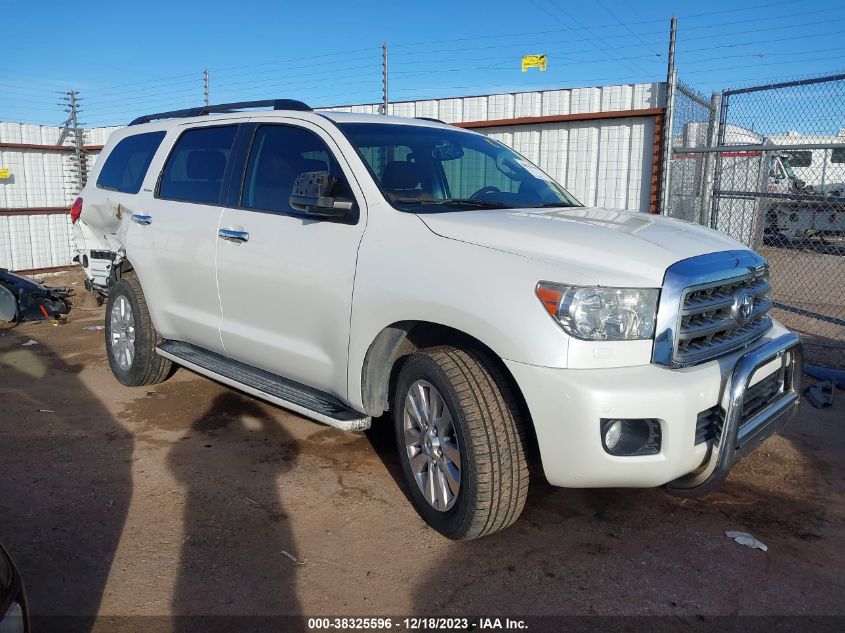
{"type": "Point", "coordinates": [131, 58]}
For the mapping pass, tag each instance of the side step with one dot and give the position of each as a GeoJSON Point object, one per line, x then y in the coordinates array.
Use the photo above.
{"type": "Point", "coordinates": [307, 401]}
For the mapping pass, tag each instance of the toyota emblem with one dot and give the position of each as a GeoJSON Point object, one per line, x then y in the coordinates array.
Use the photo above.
{"type": "Point", "coordinates": [743, 306]}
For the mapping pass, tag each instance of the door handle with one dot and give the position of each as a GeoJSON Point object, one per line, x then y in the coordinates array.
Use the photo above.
{"type": "Point", "coordinates": [144, 220]}
{"type": "Point", "coordinates": [231, 235]}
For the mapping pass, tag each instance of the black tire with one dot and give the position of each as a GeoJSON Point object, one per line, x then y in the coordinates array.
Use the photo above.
{"type": "Point", "coordinates": [490, 435]}
{"type": "Point", "coordinates": [147, 367]}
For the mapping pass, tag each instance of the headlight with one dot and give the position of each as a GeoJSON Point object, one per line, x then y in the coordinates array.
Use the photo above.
{"type": "Point", "coordinates": [601, 314]}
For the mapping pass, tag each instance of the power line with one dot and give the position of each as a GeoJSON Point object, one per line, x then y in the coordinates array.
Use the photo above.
{"type": "Point", "coordinates": [773, 28]}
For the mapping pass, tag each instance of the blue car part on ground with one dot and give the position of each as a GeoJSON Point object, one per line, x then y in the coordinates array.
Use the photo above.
{"type": "Point", "coordinates": [22, 299]}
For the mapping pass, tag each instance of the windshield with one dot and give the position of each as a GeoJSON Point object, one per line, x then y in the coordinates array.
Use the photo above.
{"type": "Point", "coordinates": [787, 166]}
{"type": "Point", "coordinates": [425, 169]}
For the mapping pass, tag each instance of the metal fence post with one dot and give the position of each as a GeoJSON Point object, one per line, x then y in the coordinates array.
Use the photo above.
{"type": "Point", "coordinates": [667, 144]}
{"type": "Point", "coordinates": [717, 172]}
{"type": "Point", "coordinates": [707, 177]}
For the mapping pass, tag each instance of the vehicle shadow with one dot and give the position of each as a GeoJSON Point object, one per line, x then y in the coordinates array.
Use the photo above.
{"type": "Point", "coordinates": [65, 483]}
{"type": "Point", "coordinates": [234, 518]}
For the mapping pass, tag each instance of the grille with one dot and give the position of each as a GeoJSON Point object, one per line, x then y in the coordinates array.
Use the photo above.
{"type": "Point", "coordinates": [712, 324]}
{"type": "Point", "coordinates": [709, 424]}
{"type": "Point", "coordinates": [762, 394]}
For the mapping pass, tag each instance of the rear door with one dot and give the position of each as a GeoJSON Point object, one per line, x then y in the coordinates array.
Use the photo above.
{"type": "Point", "coordinates": [286, 288]}
{"type": "Point", "coordinates": [173, 241]}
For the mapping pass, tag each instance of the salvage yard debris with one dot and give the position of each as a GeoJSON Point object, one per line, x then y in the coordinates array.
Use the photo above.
{"type": "Point", "coordinates": [821, 394]}
{"type": "Point", "coordinates": [744, 538]}
{"type": "Point", "coordinates": [22, 299]}
{"type": "Point", "coordinates": [295, 560]}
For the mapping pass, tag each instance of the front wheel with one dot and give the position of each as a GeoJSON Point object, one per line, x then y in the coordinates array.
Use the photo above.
{"type": "Point", "coordinates": [131, 338]}
{"type": "Point", "coordinates": [461, 442]}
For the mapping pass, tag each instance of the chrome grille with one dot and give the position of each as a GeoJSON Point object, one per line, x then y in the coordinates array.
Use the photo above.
{"type": "Point", "coordinates": [709, 424]}
{"type": "Point", "coordinates": [698, 315]}
{"type": "Point", "coordinates": [712, 323]}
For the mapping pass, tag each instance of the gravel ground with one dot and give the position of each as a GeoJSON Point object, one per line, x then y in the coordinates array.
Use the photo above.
{"type": "Point", "coordinates": [191, 498]}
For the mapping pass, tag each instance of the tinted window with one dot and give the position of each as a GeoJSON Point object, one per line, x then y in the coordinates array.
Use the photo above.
{"type": "Point", "coordinates": [837, 156]}
{"type": "Point", "coordinates": [194, 170]}
{"type": "Point", "coordinates": [433, 169]}
{"type": "Point", "coordinates": [801, 158]}
{"type": "Point", "coordinates": [279, 154]}
{"type": "Point", "coordinates": [127, 164]}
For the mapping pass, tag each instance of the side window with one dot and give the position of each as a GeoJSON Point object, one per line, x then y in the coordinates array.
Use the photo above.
{"type": "Point", "coordinates": [194, 170]}
{"type": "Point", "coordinates": [279, 154]}
{"type": "Point", "coordinates": [802, 158]}
{"type": "Point", "coordinates": [127, 164]}
{"type": "Point", "coordinates": [837, 155]}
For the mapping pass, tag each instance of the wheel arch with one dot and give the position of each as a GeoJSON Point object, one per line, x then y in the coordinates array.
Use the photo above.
{"type": "Point", "coordinates": [396, 341]}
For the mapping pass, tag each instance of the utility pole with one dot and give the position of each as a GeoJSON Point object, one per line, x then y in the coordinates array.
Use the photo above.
{"type": "Point", "coordinates": [384, 77]}
{"type": "Point", "coordinates": [668, 122]}
{"type": "Point", "coordinates": [70, 128]}
{"type": "Point", "coordinates": [205, 85]}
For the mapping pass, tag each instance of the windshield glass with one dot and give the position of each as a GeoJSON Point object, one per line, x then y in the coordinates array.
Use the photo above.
{"type": "Point", "coordinates": [425, 169]}
{"type": "Point", "coordinates": [788, 167]}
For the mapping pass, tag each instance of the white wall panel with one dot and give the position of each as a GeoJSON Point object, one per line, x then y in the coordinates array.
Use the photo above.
{"type": "Point", "coordinates": [39, 178]}
{"type": "Point", "coordinates": [603, 163]}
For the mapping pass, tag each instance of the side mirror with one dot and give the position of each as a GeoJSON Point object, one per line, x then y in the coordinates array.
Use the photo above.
{"type": "Point", "coordinates": [312, 193]}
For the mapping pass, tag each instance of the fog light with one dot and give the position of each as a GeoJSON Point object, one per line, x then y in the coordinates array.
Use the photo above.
{"type": "Point", "coordinates": [627, 438]}
{"type": "Point", "coordinates": [612, 434]}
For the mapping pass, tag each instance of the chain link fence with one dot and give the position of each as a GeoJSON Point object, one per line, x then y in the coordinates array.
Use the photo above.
{"type": "Point", "coordinates": [690, 177]}
{"type": "Point", "coordinates": [766, 165]}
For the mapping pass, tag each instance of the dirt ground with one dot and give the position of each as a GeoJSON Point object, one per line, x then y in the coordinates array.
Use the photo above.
{"type": "Point", "coordinates": [192, 498]}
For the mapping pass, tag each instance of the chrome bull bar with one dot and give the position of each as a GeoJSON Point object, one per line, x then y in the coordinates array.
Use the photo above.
{"type": "Point", "coordinates": [739, 437]}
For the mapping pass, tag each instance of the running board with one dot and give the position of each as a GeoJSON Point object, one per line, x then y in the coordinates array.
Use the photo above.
{"type": "Point", "coordinates": [297, 397]}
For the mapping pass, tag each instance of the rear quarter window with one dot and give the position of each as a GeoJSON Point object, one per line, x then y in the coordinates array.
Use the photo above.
{"type": "Point", "coordinates": [127, 164]}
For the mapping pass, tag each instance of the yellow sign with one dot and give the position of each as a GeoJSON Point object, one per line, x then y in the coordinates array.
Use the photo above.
{"type": "Point", "coordinates": [4, 173]}
{"type": "Point", "coordinates": [534, 61]}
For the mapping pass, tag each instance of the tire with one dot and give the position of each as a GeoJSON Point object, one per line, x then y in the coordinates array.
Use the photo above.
{"type": "Point", "coordinates": [128, 319]}
{"type": "Point", "coordinates": [486, 431]}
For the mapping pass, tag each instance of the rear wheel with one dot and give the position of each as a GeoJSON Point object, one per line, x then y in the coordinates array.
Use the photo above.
{"type": "Point", "coordinates": [131, 338]}
{"type": "Point", "coordinates": [461, 442]}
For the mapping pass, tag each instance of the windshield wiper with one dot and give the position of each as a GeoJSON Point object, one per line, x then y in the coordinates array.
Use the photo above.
{"type": "Point", "coordinates": [457, 202]}
{"type": "Point", "coordinates": [547, 205]}
{"type": "Point", "coordinates": [473, 202]}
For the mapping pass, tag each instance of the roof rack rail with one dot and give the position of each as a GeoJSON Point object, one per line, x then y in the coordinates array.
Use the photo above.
{"type": "Point", "coordinates": [276, 104]}
{"type": "Point", "coordinates": [432, 119]}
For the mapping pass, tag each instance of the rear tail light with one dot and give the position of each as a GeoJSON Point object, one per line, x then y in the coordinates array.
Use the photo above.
{"type": "Point", "coordinates": [75, 210]}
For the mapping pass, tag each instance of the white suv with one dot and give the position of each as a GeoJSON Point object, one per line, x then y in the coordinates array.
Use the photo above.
{"type": "Point", "coordinates": [346, 265]}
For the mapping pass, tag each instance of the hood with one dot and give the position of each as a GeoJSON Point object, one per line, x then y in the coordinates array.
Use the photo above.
{"type": "Point", "coordinates": [609, 246]}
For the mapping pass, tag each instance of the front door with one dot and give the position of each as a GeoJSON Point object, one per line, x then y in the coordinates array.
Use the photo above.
{"type": "Point", "coordinates": [285, 278]}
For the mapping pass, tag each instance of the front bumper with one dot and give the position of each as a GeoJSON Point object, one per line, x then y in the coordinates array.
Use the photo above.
{"type": "Point", "coordinates": [566, 407]}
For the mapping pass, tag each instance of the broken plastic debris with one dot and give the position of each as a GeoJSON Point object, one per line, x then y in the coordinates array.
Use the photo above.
{"type": "Point", "coordinates": [295, 560]}
{"type": "Point", "coordinates": [820, 395]}
{"type": "Point", "coordinates": [744, 538]}
{"type": "Point", "coordinates": [94, 328]}
{"type": "Point", "coordinates": [30, 342]}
